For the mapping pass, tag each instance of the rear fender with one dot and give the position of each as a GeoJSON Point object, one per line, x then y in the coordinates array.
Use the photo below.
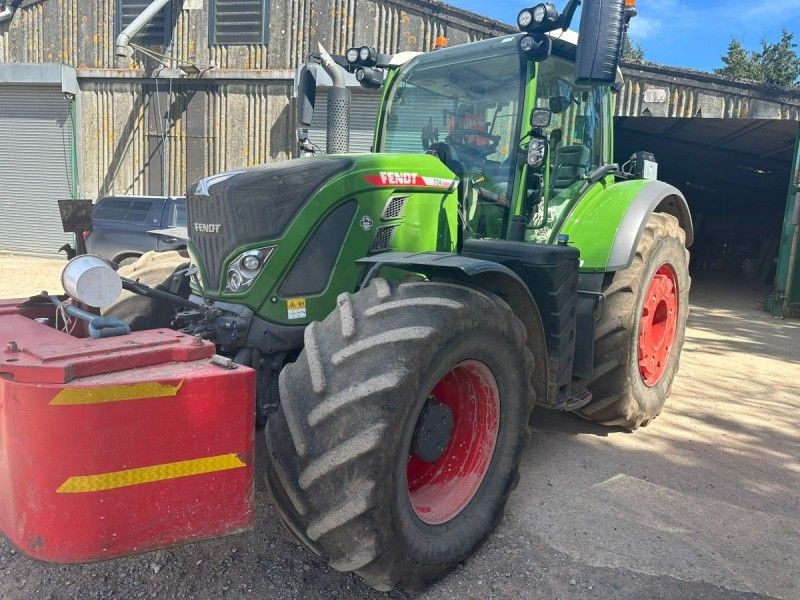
{"type": "Point", "coordinates": [606, 227]}
{"type": "Point", "coordinates": [486, 275]}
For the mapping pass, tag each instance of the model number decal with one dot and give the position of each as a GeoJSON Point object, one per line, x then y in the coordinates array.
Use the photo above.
{"type": "Point", "coordinates": [404, 179]}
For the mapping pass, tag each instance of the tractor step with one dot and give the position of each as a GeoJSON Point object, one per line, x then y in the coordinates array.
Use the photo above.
{"type": "Point", "coordinates": [577, 398]}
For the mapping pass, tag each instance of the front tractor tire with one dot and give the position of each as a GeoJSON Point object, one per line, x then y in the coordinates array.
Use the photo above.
{"type": "Point", "coordinates": [638, 340]}
{"type": "Point", "coordinates": [400, 429]}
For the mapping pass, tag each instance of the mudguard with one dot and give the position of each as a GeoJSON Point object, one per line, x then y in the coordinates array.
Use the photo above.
{"type": "Point", "coordinates": [605, 227]}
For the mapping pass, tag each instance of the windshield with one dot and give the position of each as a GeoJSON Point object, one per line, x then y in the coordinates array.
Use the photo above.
{"type": "Point", "coordinates": [467, 97]}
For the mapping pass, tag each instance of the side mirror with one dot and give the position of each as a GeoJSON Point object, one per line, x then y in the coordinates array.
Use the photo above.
{"type": "Point", "coordinates": [541, 118]}
{"type": "Point", "coordinates": [600, 41]}
{"type": "Point", "coordinates": [537, 152]}
{"type": "Point", "coordinates": [306, 97]}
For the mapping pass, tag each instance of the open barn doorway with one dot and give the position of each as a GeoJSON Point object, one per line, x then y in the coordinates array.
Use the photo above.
{"type": "Point", "coordinates": [735, 175]}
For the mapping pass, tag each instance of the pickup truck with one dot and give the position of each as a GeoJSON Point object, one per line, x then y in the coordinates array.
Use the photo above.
{"type": "Point", "coordinates": [122, 226]}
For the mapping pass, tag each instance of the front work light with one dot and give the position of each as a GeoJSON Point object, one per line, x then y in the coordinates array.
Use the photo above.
{"type": "Point", "coordinates": [352, 55]}
{"type": "Point", "coordinates": [524, 19]}
{"type": "Point", "coordinates": [536, 48]}
{"type": "Point", "coordinates": [542, 17]}
{"type": "Point", "coordinates": [368, 57]}
{"type": "Point", "coordinates": [369, 78]}
{"type": "Point", "coordinates": [245, 268]}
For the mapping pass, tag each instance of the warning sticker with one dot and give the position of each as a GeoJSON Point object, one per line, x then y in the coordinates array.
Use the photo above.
{"type": "Point", "coordinates": [296, 308]}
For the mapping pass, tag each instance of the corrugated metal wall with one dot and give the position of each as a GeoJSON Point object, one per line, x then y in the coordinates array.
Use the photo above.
{"type": "Point", "coordinates": [243, 114]}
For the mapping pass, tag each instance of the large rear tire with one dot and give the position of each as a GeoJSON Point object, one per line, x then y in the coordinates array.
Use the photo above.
{"type": "Point", "coordinates": [638, 340]}
{"type": "Point", "coordinates": [397, 373]}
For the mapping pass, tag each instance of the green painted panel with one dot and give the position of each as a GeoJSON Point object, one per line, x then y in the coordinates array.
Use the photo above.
{"type": "Point", "coordinates": [428, 222]}
{"type": "Point", "coordinates": [593, 223]}
{"type": "Point", "coordinates": [782, 279]}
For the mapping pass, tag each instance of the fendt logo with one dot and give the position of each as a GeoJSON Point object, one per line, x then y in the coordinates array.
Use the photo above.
{"type": "Point", "coordinates": [393, 178]}
{"type": "Point", "coordinates": [207, 227]}
{"type": "Point", "coordinates": [398, 179]}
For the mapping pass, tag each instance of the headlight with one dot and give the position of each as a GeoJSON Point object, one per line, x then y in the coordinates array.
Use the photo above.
{"type": "Point", "coordinates": [245, 268]}
{"type": "Point", "coordinates": [352, 55]}
{"type": "Point", "coordinates": [539, 13]}
{"type": "Point", "coordinates": [524, 19]}
{"type": "Point", "coordinates": [364, 53]}
{"type": "Point", "coordinates": [536, 152]}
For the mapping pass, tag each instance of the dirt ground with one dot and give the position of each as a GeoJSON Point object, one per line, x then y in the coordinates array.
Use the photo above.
{"type": "Point", "coordinates": [22, 276]}
{"type": "Point", "coordinates": [703, 503]}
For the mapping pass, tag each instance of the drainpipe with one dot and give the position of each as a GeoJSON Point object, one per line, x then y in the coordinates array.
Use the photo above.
{"type": "Point", "coordinates": [8, 10]}
{"type": "Point", "coordinates": [123, 39]}
{"type": "Point", "coordinates": [338, 106]}
{"type": "Point", "coordinates": [793, 252]}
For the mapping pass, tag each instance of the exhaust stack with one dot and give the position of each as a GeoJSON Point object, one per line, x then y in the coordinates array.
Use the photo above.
{"type": "Point", "coordinates": [338, 106]}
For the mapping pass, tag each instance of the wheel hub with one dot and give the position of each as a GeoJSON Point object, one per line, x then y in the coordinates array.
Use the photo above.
{"type": "Point", "coordinates": [447, 467]}
{"type": "Point", "coordinates": [433, 432]}
{"type": "Point", "coordinates": [658, 324]}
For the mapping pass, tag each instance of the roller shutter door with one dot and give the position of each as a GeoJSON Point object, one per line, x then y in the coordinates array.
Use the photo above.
{"type": "Point", "coordinates": [363, 113]}
{"type": "Point", "coordinates": [36, 153]}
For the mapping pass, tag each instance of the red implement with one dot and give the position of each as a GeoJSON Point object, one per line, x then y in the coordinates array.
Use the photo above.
{"type": "Point", "coordinates": [110, 447]}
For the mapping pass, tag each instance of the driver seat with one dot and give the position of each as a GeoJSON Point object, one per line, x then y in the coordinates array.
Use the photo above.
{"type": "Point", "coordinates": [572, 163]}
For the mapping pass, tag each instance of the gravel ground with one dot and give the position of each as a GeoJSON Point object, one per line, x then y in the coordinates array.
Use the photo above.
{"type": "Point", "coordinates": [703, 503]}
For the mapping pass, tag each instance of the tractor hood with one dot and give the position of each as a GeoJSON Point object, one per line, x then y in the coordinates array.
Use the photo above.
{"type": "Point", "coordinates": [241, 207]}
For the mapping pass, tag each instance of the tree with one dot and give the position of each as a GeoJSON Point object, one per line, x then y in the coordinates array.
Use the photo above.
{"type": "Point", "coordinates": [779, 62]}
{"type": "Point", "coordinates": [632, 52]}
{"type": "Point", "coordinates": [739, 63]}
{"type": "Point", "coordinates": [776, 63]}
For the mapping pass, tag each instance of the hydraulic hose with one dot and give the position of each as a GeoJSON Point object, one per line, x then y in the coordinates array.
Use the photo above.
{"type": "Point", "coordinates": [99, 327]}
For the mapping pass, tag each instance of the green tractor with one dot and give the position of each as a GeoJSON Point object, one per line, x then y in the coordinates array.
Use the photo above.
{"type": "Point", "coordinates": [406, 309]}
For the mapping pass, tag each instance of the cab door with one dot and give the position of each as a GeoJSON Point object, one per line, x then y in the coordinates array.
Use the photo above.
{"type": "Point", "coordinates": [578, 142]}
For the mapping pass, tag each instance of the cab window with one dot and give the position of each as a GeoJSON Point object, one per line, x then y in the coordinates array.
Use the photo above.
{"type": "Point", "coordinates": [575, 134]}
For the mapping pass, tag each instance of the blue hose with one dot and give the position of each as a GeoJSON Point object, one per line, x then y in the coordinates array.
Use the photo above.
{"type": "Point", "coordinates": [99, 327]}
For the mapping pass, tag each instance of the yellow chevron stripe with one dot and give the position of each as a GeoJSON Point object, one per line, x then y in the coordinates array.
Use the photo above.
{"type": "Point", "coordinates": [119, 479]}
{"type": "Point", "coordinates": [114, 393]}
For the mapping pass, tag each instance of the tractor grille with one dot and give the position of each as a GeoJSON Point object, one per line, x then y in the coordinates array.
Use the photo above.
{"type": "Point", "coordinates": [383, 238]}
{"type": "Point", "coordinates": [251, 205]}
{"type": "Point", "coordinates": [394, 208]}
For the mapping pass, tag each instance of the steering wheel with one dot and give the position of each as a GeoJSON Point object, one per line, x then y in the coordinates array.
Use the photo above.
{"type": "Point", "coordinates": [459, 137]}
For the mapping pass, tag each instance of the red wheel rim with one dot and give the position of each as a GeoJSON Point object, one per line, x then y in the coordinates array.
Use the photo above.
{"type": "Point", "coordinates": [658, 325]}
{"type": "Point", "coordinates": [440, 490]}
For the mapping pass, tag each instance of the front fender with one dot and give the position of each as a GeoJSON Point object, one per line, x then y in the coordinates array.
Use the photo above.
{"type": "Point", "coordinates": [605, 227]}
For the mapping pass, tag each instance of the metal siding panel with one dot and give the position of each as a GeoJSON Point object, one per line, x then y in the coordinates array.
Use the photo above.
{"type": "Point", "coordinates": [35, 137]}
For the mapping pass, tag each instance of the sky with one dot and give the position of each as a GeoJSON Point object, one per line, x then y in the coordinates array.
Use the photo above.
{"type": "Point", "coordinates": [684, 33]}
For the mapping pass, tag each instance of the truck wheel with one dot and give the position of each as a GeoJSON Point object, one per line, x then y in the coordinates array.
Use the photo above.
{"type": "Point", "coordinates": [638, 340]}
{"type": "Point", "coordinates": [399, 433]}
